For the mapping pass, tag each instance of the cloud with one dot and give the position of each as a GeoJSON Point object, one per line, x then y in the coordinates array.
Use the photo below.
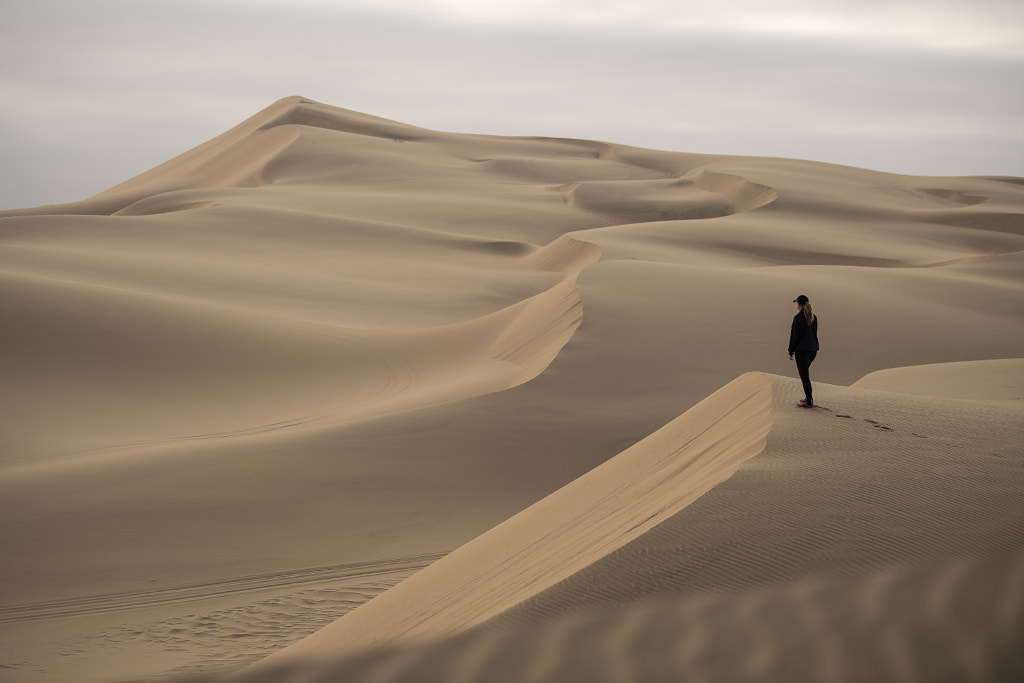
{"type": "Point", "coordinates": [989, 26]}
{"type": "Point", "coordinates": [96, 92]}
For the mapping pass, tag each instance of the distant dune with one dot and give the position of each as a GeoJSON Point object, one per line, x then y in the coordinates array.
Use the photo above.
{"type": "Point", "coordinates": [338, 392]}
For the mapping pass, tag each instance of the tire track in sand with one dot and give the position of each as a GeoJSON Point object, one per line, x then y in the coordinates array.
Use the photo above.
{"type": "Point", "coordinates": [114, 602]}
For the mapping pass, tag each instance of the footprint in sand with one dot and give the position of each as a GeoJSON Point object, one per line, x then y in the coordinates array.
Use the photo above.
{"type": "Point", "coordinates": [873, 423]}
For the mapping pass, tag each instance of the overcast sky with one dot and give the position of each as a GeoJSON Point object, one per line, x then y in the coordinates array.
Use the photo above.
{"type": "Point", "coordinates": [95, 92]}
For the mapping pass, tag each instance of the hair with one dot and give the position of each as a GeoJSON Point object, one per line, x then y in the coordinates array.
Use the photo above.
{"type": "Point", "coordinates": [808, 313]}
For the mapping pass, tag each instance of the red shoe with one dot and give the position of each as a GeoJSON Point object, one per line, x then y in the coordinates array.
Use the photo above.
{"type": "Point", "coordinates": [804, 404]}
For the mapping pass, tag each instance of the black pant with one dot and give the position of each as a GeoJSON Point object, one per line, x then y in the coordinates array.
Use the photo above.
{"type": "Point", "coordinates": [803, 366]}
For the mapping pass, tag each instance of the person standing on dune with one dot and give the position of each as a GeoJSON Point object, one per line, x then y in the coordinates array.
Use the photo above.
{"type": "Point", "coordinates": [803, 343]}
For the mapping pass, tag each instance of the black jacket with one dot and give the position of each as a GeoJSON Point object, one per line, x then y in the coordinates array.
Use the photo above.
{"type": "Point", "coordinates": [803, 337]}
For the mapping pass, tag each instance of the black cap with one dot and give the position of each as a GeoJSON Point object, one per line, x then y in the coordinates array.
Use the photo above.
{"type": "Point", "coordinates": [802, 299]}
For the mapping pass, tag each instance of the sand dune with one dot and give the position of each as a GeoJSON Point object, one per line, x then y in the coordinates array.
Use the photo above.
{"type": "Point", "coordinates": [325, 339]}
{"type": "Point", "coordinates": [742, 492]}
{"type": "Point", "coordinates": [990, 381]}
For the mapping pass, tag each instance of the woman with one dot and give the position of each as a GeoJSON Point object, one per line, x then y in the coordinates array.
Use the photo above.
{"type": "Point", "coordinates": [803, 342]}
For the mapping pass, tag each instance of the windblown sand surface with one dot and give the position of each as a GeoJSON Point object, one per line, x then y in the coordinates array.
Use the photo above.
{"type": "Point", "coordinates": [279, 375]}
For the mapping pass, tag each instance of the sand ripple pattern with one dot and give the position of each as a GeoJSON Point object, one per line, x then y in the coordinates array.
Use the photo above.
{"type": "Point", "coordinates": [228, 639]}
{"type": "Point", "coordinates": [213, 589]}
{"type": "Point", "coordinates": [275, 610]}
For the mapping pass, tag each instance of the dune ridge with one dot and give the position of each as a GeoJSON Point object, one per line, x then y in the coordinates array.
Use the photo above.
{"type": "Point", "coordinates": [590, 517]}
{"type": "Point", "coordinates": [545, 323]}
{"type": "Point", "coordinates": [874, 511]}
{"type": "Point", "coordinates": [326, 339]}
{"type": "Point", "coordinates": [705, 529]}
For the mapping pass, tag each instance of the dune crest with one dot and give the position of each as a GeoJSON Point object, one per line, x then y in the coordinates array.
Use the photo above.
{"type": "Point", "coordinates": [545, 323]}
{"type": "Point", "coordinates": [303, 112]}
{"type": "Point", "coordinates": [586, 520]}
{"type": "Point", "coordinates": [744, 194]}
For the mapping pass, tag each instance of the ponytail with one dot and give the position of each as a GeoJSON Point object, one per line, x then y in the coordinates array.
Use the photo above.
{"type": "Point", "coordinates": [808, 313]}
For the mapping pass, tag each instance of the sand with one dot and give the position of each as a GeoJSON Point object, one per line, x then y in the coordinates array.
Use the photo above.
{"type": "Point", "coordinates": [529, 395]}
